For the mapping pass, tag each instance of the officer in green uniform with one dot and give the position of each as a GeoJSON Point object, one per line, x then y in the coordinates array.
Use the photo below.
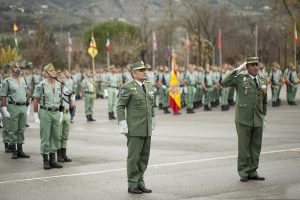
{"type": "Point", "coordinates": [88, 91]}
{"type": "Point", "coordinates": [251, 109]}
{"type": "Point", "coordinates": [69, 83]}
{"type": "Point", "coordinates": [113, 81]}
{"type": "Point", "coordinates": [135, 112]}
{"type": "Point", "coordinates": [15, 92]}
{"type": "Point", "coordinates": [68, 101]}
{"type": "Point", "coordinates": [48, 94]}
{"type": "Point", "coordinates": [190, 79]}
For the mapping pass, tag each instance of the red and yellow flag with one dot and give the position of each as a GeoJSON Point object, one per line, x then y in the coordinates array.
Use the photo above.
{"type": "Point", "coordinates": [15, 27]}
{"type": "Point", "coordinates": [175, 97]}
{"type": "Point", "coordinates": [93, 51]}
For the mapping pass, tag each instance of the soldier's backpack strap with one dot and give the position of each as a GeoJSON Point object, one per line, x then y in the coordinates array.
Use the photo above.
{"type": "Point", "coordinates": [43, 94]}
{"type": "Point", "coordinates": [8, 91]}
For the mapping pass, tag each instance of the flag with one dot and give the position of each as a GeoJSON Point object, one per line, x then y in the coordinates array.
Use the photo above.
{"type": "Point", "coordinates": [108, 46]}
{"type": "Point", "coordinates": [69, 42]}
{"type": "Point", "coordinates": [174, 92]}
{"type": "Point", "coordinates": [15, 27]}
{"type": "Point", "coordinates": [295, 34]}
{"type": "Point", "coordinates": [219, 40]}
{"type": "Point", "coordinates": [187, 43]}
{"type": "Point", "coordinates": [93, 51]}
{"type": "Point", "coordinates": [154, 42]}
{"type": "Point", "coordinates": [168, 53]}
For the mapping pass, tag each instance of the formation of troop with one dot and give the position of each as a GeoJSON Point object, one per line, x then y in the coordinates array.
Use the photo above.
{"type": "Point", "coordinates": [53, 93]}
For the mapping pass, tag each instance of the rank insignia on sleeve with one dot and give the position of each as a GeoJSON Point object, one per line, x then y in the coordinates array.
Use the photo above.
{"type": "Point", "coordinates": [123, 91]}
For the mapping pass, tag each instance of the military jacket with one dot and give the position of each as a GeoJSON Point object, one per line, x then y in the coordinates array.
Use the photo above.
{"type": "Point", "coordinates": [137, 108]}
{"type": "Point", "coordinates": [69, 84]}
{"type": "Point", "coordinates": [113, 80]}
{"type": "Point", "coordinates": [251, 102]}
{"type": "Point", "coordinates": [275, 77]}
{"type": "Point", "coordinates": [151, 77]}
{"type": "Point", "coordinates": [14, 91]}
{"type": "Point", "coordinates": [191, 78]}
{"type": "Point", "coordinates": [47, 97]}
{"type": "Point", "coordinates": [208, 79]}
{"type": "Point", "coordinates": [67, 96]}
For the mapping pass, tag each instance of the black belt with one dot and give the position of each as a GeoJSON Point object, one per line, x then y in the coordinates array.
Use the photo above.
{"type": "Point", "coordinates": [49, 109]}
{"type": "Point", "coordinates": [89, 92]}
{"type": "Point", "coordinates": [17, 103]}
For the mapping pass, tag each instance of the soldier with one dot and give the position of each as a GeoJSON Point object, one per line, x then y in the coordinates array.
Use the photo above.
{"type": "Point", "coordinates": [113, 83]}
{"type": "Point", "coordinates": [190, 80]}
{"type": "Point", "coordinates": [275, 80]}
{"type": "Point", "coordinates": [15, 92]}
{"type": "Point", "coordinates": [208, 88]}
{"type": "Point", "coordinates": [135, 114]}
{"type": "Point", "coordinates": [216, 86]}
{"type": "Point", "coordinates": [151, 78]}
{"type": "Point", "coordinates": [251, 109]}
{"type": "Point", "coordinates": [291, 80]}
{"type": "Point", "coordinates": [165, 85]}
{"type": "Point", "coordinates": [126, 76]}
{"type": "Point", "coordinates": [69, 83]}
{"type": "Point", "coordinates": [5, 124]}
{"type": "Point", "coordinates": [88, 91]}
{"type": "Point", "coordinates": [68, 101]}
{"type": "Point", "coordinates": [224, 91]}
{"type": "Point", "coordinates": [48, 94]}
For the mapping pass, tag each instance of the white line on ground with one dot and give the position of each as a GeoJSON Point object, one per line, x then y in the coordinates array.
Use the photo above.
{"type": "Point", "coordinates": [150, 166]}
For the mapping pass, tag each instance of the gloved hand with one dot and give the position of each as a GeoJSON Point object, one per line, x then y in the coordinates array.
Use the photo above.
{"type": "Point", "coordinates": [265, 123]}
{"type": "Point", "coordinates": [153, 123]}
{"type": "Point", "coordinates": [61, 117]}
{"type": "Point", "coordinates": [36, 118]}
{"type": "Point", "coordinates": [5, 112]}
{"type": "Point", "coordinates": [28, 110]}
{"type": "Point", "coordinates": [241, 67]}
{"type": "Point", "coordinates": [124, 127]}
{"type": "Point", "coordinates": [163, 87]}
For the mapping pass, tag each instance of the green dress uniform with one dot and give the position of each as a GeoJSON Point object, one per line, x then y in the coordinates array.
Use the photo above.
{"type": "Point", "coordinates": [207, 77]}
{"type": "Point", "coordinates": [136, 106]}
{"type": "Point", "coordinates": [291, 75]}
{"type": "Point", "coordinates": [16, 97]}
{"type": "Point", "coordinates": [275, 79]}
{"type": "Point", "coordinates": [49, 115]}
{"type": "Point", "coordinates": [89, 90]}
{"type": "Point", "coordinates": [151, 77]}
{"type": "Point", "coordinates": [251, 108]}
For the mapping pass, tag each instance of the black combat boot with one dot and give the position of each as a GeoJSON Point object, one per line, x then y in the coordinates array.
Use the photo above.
{"type": "Point", "coordinates": [92, 119]}
{"type": "Point", "coordinates": [109, 116]}
{"type": "Point", "coordinates": [13, 151]}
{"type": "Point", "coordinates": [113, 115]}
{"type": "Point", "coordinates": [46, 161]}
{"type": "Point", "coordinates": [53, 163]}
{"type": "Point", "coordinates": [21, 153]}
{"type": "Point", "coordinates": [166, 110]}
{"type": "Point", "coordinates": [64, 155]}
{"type": "Point", "coordinates": [7, 147]}
{"type": "Point", "coordinates": [88, 118]}
{"type": "Point", "coordinates": [206, 108]}
{"type": "Point", "coordinates": [59, 156]}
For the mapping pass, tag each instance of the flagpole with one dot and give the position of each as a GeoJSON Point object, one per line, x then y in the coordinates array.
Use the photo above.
{"type": "Point", "coordinates": [220, 50]}
{"type": "Point", "coordinates": [108, 58]}
{"type": "Point", "coordinates": [295, 45]}
{"type": "Point", "coordinates": [256, 33]}
{"type": "Point", "coordinates": [69, 53]}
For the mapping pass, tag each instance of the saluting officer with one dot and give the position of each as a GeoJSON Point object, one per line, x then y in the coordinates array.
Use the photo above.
{"type": "Point", "coordinates": [15, 93]}
{"type": "Point", "coordinates": [250, 112]}
{"type": "Point", "coordinates": [135, 112]}
{"type": "Point", "coordinates": [48, 94]}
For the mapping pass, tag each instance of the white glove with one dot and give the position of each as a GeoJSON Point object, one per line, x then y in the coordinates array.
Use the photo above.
{"type": "Point", "coordinates": [36, 118]}
{"type": "Point", "coordinates": [163, 87]}
{"type": "Point", "coordinates": [153, 123]}
{"type": "Point", "coordinates": [0, 116]}
{"type": "Point", "coordinates": [124, 127]}
{"type": "Point", "coordinates": [241, 67]}
{"type": "Point", "coordinates": [61, 117]}
{"type": "Point", "coordinates": [265, 123]}
{"type": "Point", "coordinates": [5, 112]}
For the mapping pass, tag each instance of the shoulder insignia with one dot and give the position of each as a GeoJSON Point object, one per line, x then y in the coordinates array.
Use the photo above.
{"type": "Point", "coordinates": [123, 91]}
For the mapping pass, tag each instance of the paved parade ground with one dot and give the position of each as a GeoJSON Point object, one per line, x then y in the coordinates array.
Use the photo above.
{"type": "Point", "coordinates": [193, 156]}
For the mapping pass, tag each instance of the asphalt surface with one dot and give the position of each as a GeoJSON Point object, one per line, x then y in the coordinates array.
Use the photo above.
{"type": "Point", "coordinates": [193, 156]}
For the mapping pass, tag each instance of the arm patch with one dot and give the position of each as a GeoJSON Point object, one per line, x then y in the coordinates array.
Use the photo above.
{"type": "Point", "coordinates": [123, 91]}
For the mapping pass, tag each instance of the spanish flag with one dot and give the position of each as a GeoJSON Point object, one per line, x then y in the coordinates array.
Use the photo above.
{"type": "Point", "coordinates": [93, 51]}
{"type": "Point", "coordinates": [175, 98]}
{"type": "Point", "coordinates": [15, 27]}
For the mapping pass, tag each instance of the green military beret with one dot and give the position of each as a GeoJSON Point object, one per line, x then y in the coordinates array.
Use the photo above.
{"type": "Point", "coordinates": [138, 65]}
{"type": "Point", "coordinates": [13, 64]}
{"type": "Point", "coordinates": [251, 60]}
{"type": "Point", "coordinates": [48, 67]}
